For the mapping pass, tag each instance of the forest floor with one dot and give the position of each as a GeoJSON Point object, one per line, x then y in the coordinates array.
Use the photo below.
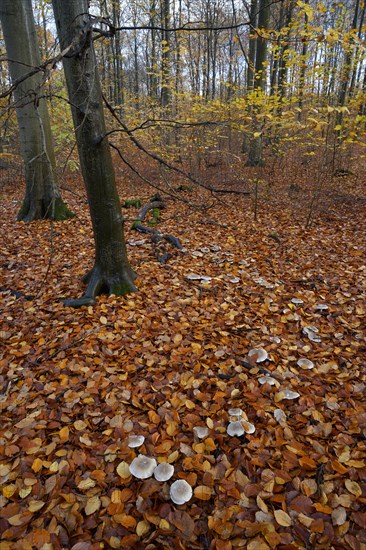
{"type": "Point", "coordinates": [76, 384]}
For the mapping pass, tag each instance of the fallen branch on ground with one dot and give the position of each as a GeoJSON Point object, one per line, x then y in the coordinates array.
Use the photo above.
{"type": "Point", "coordinates": [157, 238]}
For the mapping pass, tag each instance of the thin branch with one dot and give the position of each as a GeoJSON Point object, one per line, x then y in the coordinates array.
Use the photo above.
{"type": "Point", "coordinates": [163, 162]}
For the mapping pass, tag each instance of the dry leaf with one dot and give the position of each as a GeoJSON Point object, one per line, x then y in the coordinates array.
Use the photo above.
{"type": "Point", "coordinates": [282, 518]}
{"type": "Point", "coordinates": [93, 504]}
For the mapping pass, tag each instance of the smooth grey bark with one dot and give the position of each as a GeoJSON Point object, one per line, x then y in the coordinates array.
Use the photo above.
{"type": "Point", "coordinates": [111, 272]}
{"type": "Point", "coordinates": [42, 197]}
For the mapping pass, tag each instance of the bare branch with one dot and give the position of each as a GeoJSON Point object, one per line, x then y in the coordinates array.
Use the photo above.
{"type": "Point", "coordinates": [165, 163]}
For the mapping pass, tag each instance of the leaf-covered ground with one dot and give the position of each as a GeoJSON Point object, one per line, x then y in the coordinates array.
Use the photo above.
{"type": "Point", "coordinates": [77, 384]}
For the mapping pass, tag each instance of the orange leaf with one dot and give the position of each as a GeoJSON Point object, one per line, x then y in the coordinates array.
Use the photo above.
{"type": "Point", "coordinates": [202, 492]}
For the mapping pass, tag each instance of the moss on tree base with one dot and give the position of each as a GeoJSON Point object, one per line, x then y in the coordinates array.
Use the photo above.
{"type": "Point", "coordinates": [41, 210]}
{"type": "Point", "coordinates": [102, 283]}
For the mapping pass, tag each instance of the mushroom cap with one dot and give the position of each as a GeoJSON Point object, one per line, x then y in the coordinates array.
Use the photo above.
{"type": "Point", "coordinates": [135, 441]}
{"type": "Point", "coordinates": [200, 431]}
{"type": "Point", "coordinates": [289, 394]}
{"type": "Point", "coordinates": [235, 429]}
{"type": "Point", "coordinates": [310, 328]}
{"type": "Point", "coordinates": [305, 363]}
{"type": "Point", "coordinates": [321, 307]}
{"type": "Point", "coordinates": [235, 412]}
{"type": "Point", "coordinates": [297, 301]}
{"type": "Point", "coordinates": [267, 380]}
{"type": "Point", "coordinates": [163, 471]}
{"type": "Point", "coordinates": [142, 466]}
{"type": "Point", "coordinates": [258, 354]}
{"type": "Point", "coordinates": [279, 415]}
{"type": "Point", "coordinates": [180, 491]}
{"type": "Point", "coordinates": [312, 333]}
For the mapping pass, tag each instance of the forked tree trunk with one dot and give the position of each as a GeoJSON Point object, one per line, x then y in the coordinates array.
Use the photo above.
{"type": "Point", "coordinates": [111, 272]}
{"type": "Point", "coordinates": [42, 197]}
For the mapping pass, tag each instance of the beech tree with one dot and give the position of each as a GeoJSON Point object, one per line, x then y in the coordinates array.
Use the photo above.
{"type": "Point", "coordinates": [111, 272]}
{"type": "Point", "coordinates": [42, 197]}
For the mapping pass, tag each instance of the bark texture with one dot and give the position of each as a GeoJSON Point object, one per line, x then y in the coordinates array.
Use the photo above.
{"type": "Point", "coordinates": [42, 197]}
{"type": "Point", "coordinates": [111, 273]}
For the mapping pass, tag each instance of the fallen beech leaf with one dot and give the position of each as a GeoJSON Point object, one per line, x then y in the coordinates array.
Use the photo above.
{"type": "Point", "coordinates": [123, 470]}
{"type": "Point", "coordinates": [323, 508]}
{"type": "Point", "coordinates": [258, 544]}
{"type": "Point", "coordinates": [202, 492]}
{"type": "Point", "coordinates": [80, 425]}
{"type": "Point", "coordinates": [23, 493]}
{"type": "Point", "coordinates": [305, 520]}
{"type": "Point", "coordinates": [20, 519]}
{"type": "Point", "coordinates": [64, 434]}
{"type": "Point", "coordinates": [142, 528]}
{"type": "Point", "coordinates": [34, 446]}
{"type": "Point", "coordinates": [339, 516]}
{"type": "Point", "coordinates": [282, 518]}
{"type": "Point", "coordinates": [262, 505]}
{"type": "Point", "coordinates": [164, 525]}
{"type": "Point", "coordinates": [86, 484]}
{"type": "Point", "coordinates": [127, 521]}
{"type": "Point", "coordinates": [9, 490]}
{"type": "Point", "coordinates": [35, 505]}
{"type": "Point", "coordinates": [93, 504]}
{"type": "Point", "coordinates": [353, 487]}
{"type": "Point", "coordinates": [40, 538]}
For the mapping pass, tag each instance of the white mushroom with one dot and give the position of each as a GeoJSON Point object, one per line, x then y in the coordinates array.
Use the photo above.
{"type": "Point", "coordinates": [279, 415]}
{"type": "Point", "coordinates": [305, 363]}
{"type": "Point", "coordinates": [180, 491]}
{"type": "Point", "coordinates": [309, 328]}
{"type": "Point", "coordinates": [200, 432]}
{"type": "Point", "coordinates": [135, 441]}
{"type": "Point", "coordinates": [321, 307]}
{"type": "Point", "coordinates": [235, 412]}
{"type": "Point", "coordinates": [267, 380]}
{"type": "Point", "coordinates": [289, 394]}
{"type": "Point", "coordinates": [163, 471]}
{"type": "Point", "coordinates": [297, 301]}
{"type": "Point", "coordinates": [142, 467]}
{"type": "Point", "coordinates": [258, 354]}
{"type": "Point", "coordinates": [311, 333]}
{"type": "Point", "coordinates": [193, 277]}
{"type": "Point", "coordinates": [235, 429]}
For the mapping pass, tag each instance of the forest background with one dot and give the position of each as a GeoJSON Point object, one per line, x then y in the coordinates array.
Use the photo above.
{"type": "Point", "coordinates": [248, 119]}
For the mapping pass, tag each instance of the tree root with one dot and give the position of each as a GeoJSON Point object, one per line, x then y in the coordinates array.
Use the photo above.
{"type": "Point", "coordinates": [99, 283]}
{"type": "Point", "coordinates": [55, 210]}
{"type": "Point", "coordinates": [157, 238]}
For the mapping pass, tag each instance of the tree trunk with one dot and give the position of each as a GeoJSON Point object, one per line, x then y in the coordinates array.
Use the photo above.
{"type": "Point", "coordinates": [165, 54]}
{"type": "Point", "coordinates": [42, 197]}
{"type": "Point", "coordinates": [255, 146]}
{"type": "Point", "coordinates": [252, 45]}
{"type": "Point", "coordinates": [111, 272]}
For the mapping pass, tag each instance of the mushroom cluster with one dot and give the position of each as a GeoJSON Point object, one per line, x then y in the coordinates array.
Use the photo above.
{"type": "Point", "coordinates": [143, 467]}
{"type": "Point", "coordinates": [238, 425]}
